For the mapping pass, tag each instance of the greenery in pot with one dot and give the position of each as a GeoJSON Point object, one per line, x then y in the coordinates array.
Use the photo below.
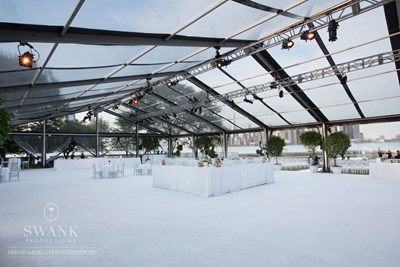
{"type": "Point", "coordinates": [149, 143]}
{"type": "Point", "coordinates": [262, 150]}
{"type": "Point", "coordinates": [5, 126]}
{"type": "Point", "coordinates": [275, 146]}
{"type": "Point", "coordinates": [310, 141]}
{"type": "Point", "coordinates": [207, 144]}
{"type": "Point", "coordinates": [336, 144]}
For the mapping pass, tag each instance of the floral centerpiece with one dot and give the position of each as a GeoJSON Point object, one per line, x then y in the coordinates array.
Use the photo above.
{"type": "Point", "coordinates": [217, 163]}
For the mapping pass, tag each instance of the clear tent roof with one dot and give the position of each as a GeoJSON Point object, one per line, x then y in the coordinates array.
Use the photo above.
{"type": "Point", "coordinates": [101, 55]}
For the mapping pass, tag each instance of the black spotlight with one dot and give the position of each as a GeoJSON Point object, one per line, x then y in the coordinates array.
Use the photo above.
{"type": "Point", "coordinates": [28, 58]}
{"type": "Point", "coordinates": [287, 44]}
{"type": "Point", "coordinates": [332, 29]}
{"type": "Point", "coordinates": [247, 100]}
{"type": "Point", "coordinates": [130, 102]}
{"type": "Point", "coordinates": [343, 79]}
{"type": "Point", "coordinates": [171, 83]}
{"type": "Point", "coordinates": [307, 36]}
{"type": "Point", "coordinates": [281, 93]}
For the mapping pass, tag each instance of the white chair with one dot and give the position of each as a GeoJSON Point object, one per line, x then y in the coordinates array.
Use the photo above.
{"type": "Point", "coordinates": [113, 172]}
{"type": "Point", "coordinates": [25, 163]}
{"type": "Point", "coordinates": [97, 173]}
{"type": "Point", "coordinates": [121, 171]}
{"type": "Point", "coordinates": [137, 170]}
{"type": "Point", "coordinates": [14, 167]}
{"type": "Point", "coordinates": [1, 170]}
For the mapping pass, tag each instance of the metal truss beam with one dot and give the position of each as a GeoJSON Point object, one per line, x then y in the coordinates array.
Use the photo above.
{"type": "Point", "coordinates": [320, 21]}
{"type": "Point", "coordinates": [343, 68]}
{"type": "Point", "coordinates": [14, 32]}
{"type": "Point", "coordinates": [227, 102]}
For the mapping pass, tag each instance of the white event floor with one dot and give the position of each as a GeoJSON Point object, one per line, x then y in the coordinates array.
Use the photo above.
{"type": "Point", "coordinates": [302, 219]}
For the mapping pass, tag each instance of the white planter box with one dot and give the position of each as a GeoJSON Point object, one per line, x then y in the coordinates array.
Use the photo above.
{"type": "Point", "coordinates": [277, 167]}
{"type": "Point", "coordinates": [314, 168]}
{"type": "Point", "coordinates": [336, 170]}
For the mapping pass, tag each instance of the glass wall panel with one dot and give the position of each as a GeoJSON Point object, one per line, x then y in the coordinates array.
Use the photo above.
{"type": "Point", "coordinates": [47, 12]}
{"type": "Point", "coordinates": [152, 16]}
{"type": "Point", "coordinates": [224, 21]}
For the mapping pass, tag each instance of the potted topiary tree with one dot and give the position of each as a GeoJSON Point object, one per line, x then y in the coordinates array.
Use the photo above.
{"type": "Point", "coordinates": [275, 146]}
{"type": "Point", "coordinates": [311, 140]}
{"type": "Point", "coordinates": [336, 144]}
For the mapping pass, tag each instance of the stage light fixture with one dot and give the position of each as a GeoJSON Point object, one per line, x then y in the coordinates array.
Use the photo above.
{"type": "Point", "coordinates": [247, 100]}
{"type": "Point", "coordinates": [307, 35]}
{"type": "Point", "coordinates": [27, 59]}
{"type": "Point", "coordinates": [130, 102]}
{"type": "Point", "coordinates": [332, 29]}
{"type": "Point", "coordinates": [280, 93]}
{"type": "Point", "coordinates": [136, 101]}
{"type": "Point", "coordinates": [287, 44]}
{"type": "Point", "coordinates": [172, 83]}
{"type": "Point", "coordinates": [343, 79]}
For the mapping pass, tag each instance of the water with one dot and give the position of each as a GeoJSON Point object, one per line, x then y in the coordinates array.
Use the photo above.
{"type": "Point", "coordinates": [358, 148]}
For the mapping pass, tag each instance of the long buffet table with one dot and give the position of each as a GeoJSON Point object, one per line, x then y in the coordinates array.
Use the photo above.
{"type": "Point", "coordinates": [212, 181]}
{"type": "Point", "coordinates": [384, 170]}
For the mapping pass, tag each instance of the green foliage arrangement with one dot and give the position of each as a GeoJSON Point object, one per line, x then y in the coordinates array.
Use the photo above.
{"type": "Point", "coordinates": [149, 143]}
{"type": "Point", "coordinates": [275, 146]}
{"type": "Point", "coordinates": [336, 144]}
{"type": "Point", "coordinates": [262, 150]}
{"type": "Point", "coordinates": [311, 140]}
{"type": "Point", "coordinates": [5, 125]}
{"type": "Point", "coordinates": [207, 144]}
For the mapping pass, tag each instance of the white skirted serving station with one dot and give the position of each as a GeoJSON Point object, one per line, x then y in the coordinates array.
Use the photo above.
{"type": "Point", "coordinates": [212, 181]}
{"type": "Point", "coordinates": [384, 170]}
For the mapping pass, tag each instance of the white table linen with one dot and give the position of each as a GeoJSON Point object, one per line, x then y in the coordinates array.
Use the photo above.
{"type": "Point", "coordinates": [106, 168]}
{"type": "Point", "coordinates": [384, 170]}
{"type": "Point", "coordinates": [212, 181]}
{"type": "Point", "coordinates": [5, 174]}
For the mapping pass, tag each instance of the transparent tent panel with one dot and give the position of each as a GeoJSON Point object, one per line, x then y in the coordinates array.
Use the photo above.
{"type": "Point", "coordinates": [24, 77]}
{"type": "Point", "coordinates": [17, 11]}
{"type": "Point", "coordinates": [10, 97]}
{"type": "Point", "coordinates": [374, 83]}
{"type": "Point", "coordinates": [73, 75]}
{"type": "Point", "coordinates": [137, 70]}
{"type": "Point", "coordinates": [340, 112]}
{"type": "Point", "coordinates": [124, 17]}
{"type": "Point", "coordinates": [270, 23]}
{"type": "Point", "coordinates": [61, 92]}
{"type": "Point", "coordinates": [248, 72]}
{"type": "Point", "coordinates": [218, 81]}
{"type": "Point", "coordinates": [382, 107]}
{"type": "Point", "coordinates": [226, 17]}
{"type": "Point", "coordinates": [326, 92]}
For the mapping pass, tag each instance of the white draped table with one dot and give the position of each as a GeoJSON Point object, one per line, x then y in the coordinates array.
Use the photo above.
{"type": "Point", "coordinates": [384, 170]}
{"type": "Point", "coordinates": [212, 181]}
